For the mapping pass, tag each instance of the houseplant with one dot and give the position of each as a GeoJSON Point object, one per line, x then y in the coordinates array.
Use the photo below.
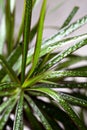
{"type": "Point", "coordinates": [33, 96]}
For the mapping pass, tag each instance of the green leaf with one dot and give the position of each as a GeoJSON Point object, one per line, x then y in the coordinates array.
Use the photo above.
{"type": "Point", "coordinates": [74, 100]}
{"type": "Point", "coordinates": [64, 54]}
{"type": "Point", "coordinates": [39, 113]}
{"type": "Point", "coordinates": [57, 97]}
{"type": "Point", "coordinates": [26, 33]}
{"type": "Point", "coordinates": [33, 122]}
{"type": "Point", "coordinates": [71, 15]}
{"type": "Point", "coordinates": [39, 37]}
{"type": "Point", "coordinates": [59, 74]}
{"type": "Point", "coordinates": [19, 114]}
{"type": "Point", "coordinates": [9, 70]}
{"type": "Point", "coordinates": [6, 114]}
{"type": "Point", "coordinates": [8, 86]}
{"type": "Point", "coordinates": [62, 85]}
{"type": "Point", "coordinates": [10, 17]}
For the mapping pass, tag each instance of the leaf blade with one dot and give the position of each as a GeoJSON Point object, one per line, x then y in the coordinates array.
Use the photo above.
{"type": "Point", "coordinates": [64, 54]}
{"type": "Point", "coordinates": [27, 24]}
{"type": "Point", "coordinates": [37, 111]}
{"type": "Point", "coordinates": [39, 37]}
{"type": "Point", "coordinates": [19, 117]}
{"type": "Point", "coordinates": [63, 103]}
{"type": "Point", "coordinates": [71, 15]}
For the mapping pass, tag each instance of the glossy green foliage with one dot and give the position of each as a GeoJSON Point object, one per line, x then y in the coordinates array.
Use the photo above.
{"type": "Point", "coordinates": [40, 87]}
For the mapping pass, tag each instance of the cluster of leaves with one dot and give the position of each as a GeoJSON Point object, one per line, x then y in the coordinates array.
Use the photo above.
{"type": "Point", "coordinates": [33, 97]}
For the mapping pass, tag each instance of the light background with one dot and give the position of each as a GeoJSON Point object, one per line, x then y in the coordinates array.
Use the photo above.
{"type": "Point", "coordinates": [57, 17]}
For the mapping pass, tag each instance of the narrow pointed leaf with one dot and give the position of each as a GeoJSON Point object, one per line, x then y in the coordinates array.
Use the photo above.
{"type": "Point", "coordinates": [71, 15]}
{"type": "Point", "coordinates": [19, 114]}
{"type": "Point", "coordinates": [63, 103]}
{"type": "Point", "coordinates": [10, 17]}
{"type": "Point", "coordinates": [39, 37]}
{"type": "Point", "coordinates": [39, 113]}
{"type": "Point", "coordinates": [60, 43]}
{"type": "Point", "coordinates": [59, 74]}
{"type": "Point", "coordinates": [66, 31]}
{"type": "Point", "coordinates": [26, 39]}
{"type": "Point", "coordinates": [64, 54]}
{"type": "Point", "coordinates": [62, 85]}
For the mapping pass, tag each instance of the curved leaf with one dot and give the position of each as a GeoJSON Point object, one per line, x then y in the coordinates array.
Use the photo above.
{"type": "Point", "coordinates": [63, 103]}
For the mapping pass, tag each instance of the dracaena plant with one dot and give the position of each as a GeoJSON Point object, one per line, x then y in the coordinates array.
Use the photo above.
{"type": "Point", "coordinates": [32, 79]}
